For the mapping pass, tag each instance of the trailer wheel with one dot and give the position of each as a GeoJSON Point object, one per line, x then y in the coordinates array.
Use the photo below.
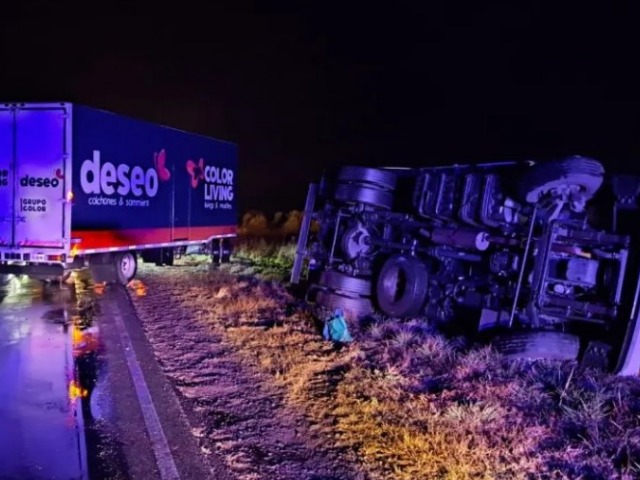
{"type": "Point", "coordinates": [538, 345]}
{"type": "Point", "coordinates": [376, 177]}
{"type": "Point", "coordinates": [126, 267]}
{"type": "Point", "coordinates": [402, 286]}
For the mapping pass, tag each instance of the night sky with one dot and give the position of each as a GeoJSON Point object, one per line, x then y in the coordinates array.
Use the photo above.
{"type": "Point", "coordinates": [312, 84]}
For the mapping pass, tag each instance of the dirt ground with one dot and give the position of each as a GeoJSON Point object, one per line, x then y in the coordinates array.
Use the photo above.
{"type": "Point", "coordinates": [240, 413]}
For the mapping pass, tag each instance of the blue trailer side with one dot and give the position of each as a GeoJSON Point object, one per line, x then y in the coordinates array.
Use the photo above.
{"type": "Point", "coordinates": [138, 185]}
{"type": "Point", "coordinates": [81, 186]}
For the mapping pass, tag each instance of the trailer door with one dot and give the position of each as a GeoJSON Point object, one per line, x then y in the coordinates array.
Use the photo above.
{"type": "Point", "coordinates": [41, 177]}
{"type": "Point", "coordinates": [6, 176]}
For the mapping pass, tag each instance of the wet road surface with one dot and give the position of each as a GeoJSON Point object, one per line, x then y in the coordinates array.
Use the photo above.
{"type": "Point", "coordinates": [81, 394]}
{"type": "Point", "coordinates": [56, 401]}
{"type": "Point", "coordinates": [41, 423]}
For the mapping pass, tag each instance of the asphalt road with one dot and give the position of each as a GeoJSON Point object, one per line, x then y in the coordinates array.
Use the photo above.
{"type": "Point", "coordinates": [81, 394]}
{"type": "Point", "coordinates": [41, 424]}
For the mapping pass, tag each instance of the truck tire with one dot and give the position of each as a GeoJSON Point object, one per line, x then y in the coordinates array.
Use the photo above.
{"type": "Point", "coordinates": [402, 286]}
{"type": "Point", "coordinates": [345, 284]}
{"type": "Point", "coordinates": [374, 197]}
{"type": "Point", "coordinates": [543, 178]}
{"type": "Point", "coordinates": [126, 266]}
{"type": "Point", "coordinates": [538, 345]}
{"type": "Point", "coordinates": [356, 306]}
{"type": "Point", "coordinates": [379, 178]}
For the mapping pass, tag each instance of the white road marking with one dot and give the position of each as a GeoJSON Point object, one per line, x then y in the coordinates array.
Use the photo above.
{"type": "Point", "coordinates": [77, 406]}
{"type": "Point", "coordinates": [159, 444]}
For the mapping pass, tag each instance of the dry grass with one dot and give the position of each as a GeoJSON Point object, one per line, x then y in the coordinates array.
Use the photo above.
{"type": "Point", "coordinates": [269, 259]}
{"type": "Point", "coordinates": [410, 404]}
{"type": "Point", "coordinates": [193, 259]}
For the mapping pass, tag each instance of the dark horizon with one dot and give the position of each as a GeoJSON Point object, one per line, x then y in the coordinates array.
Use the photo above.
{"type": "Point", "coordinates": [302, 88]}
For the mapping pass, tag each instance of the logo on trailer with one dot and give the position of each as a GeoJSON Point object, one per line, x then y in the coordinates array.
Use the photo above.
{"type": "Point", "coordinates": [42, 182]}
{"type": "Point", "coordinates": [218, 183]}
{"type": "Point", "coordinates": [196, 170]}
{"type": "Point", "coordinates": [107, 178]}
{"type": "Point", "coordinates": [159, 160]}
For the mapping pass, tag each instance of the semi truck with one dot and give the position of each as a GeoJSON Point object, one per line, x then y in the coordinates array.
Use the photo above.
{"type": "Point", "coordinates": [85, 188]}
{"type": "Point", "coordinates": [539, 259]}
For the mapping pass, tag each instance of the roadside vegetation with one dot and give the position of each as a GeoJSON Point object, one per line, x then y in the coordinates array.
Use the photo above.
{"type": "Point", "coordinates": [404, 402]}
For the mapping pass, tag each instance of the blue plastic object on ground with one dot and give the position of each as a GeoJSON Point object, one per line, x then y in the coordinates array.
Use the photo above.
{"type": "Point", "coordinates": [336, 329]}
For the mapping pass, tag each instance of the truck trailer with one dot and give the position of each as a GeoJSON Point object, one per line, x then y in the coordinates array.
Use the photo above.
{"type": "Point", "coordinates": [82, 187]}
{"type": "Point", "coordinates": [539, 259]}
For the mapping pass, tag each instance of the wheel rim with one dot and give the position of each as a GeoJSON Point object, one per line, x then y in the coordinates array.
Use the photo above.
{"type": "Point", "coordinates": [355, 242]}
{"type": "Point", "coordinates": [127, 265]}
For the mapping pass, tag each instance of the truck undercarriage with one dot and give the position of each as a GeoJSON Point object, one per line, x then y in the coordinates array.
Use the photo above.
{"type": "Point", "coordinates": [540, 259]}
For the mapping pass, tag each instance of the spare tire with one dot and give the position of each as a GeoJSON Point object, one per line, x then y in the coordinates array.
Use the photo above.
{"type": "Point", "coordinates": [380, 178]}
{"type": "Point", "coordinates": [543, 178]}
{"type": "Point", "coordinates": [402, 285]}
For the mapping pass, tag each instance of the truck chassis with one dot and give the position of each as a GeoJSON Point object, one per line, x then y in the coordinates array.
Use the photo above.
{"type": "Point", "coordinates": [541, 259]}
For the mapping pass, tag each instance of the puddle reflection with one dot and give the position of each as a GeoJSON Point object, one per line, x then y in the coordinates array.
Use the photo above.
{"type": "Point", "coordinates": [52, 357]}
{"type": "Point", "coordinates": [88, 350]}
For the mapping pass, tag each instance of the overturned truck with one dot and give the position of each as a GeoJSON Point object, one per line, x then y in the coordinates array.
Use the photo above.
{"type": "Point", "coordinates": [541, 259]}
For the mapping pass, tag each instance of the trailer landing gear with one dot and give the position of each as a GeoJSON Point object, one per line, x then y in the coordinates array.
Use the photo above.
{"type": "Point", "coordinates": [220, 251]}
